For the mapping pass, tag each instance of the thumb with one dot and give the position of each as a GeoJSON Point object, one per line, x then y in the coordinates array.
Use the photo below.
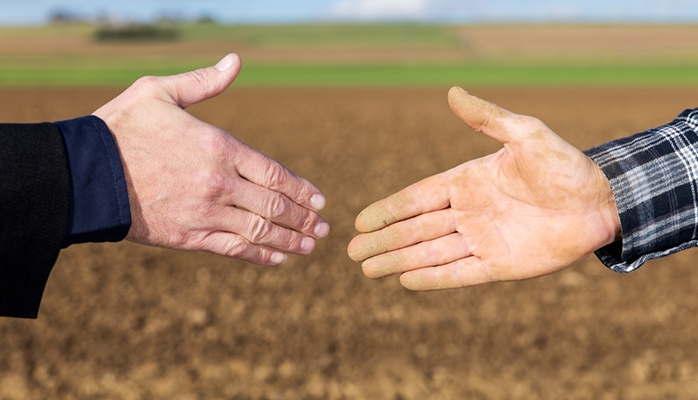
{"type": "Point", "coordinates": [202, 84]}
{"type": "Point", "coordinates": [480, 115]}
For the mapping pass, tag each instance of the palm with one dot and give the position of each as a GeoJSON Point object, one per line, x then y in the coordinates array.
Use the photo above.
{"type": "Point", "coordinates": [535, 207]}
{"type": "Point", "coordinates": [514, 209]}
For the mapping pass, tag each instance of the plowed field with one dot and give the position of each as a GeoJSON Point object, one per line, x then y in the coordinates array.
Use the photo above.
{"type": "Point", "coordinates": [123, 321]}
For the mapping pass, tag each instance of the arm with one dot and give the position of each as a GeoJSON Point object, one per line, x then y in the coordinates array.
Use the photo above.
{"type": "Point", "coordinates": [34, 199]}
{"type": "Point", "coordinates": [654, 176]}
{"type": "Point", "coordinates": [535, 207]}
{"type": "Point", "coordinates": [161, 178]}
{"type": "Point", "coordinates": [192, 186]}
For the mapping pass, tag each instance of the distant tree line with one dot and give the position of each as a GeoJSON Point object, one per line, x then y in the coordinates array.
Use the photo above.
{"type": "Point", "coordinates": [59, 17]}
{"type": "Point", "coordinates": [136, 32]}
{"type": "Point", "coordinates": [108, 30]}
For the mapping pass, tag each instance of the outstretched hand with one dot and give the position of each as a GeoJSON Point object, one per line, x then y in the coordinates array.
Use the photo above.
{"type": "Point", "coordinates": [193, 186]}
{"type": "Point", "coordinates": [535, 207]}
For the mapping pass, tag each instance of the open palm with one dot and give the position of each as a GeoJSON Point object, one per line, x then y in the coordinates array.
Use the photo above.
{"type": "Point", "coordinates": [535, 207]}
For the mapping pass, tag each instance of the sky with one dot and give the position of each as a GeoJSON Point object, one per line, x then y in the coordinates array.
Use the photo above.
{"type": "Point", "coordinates": [34, 12]}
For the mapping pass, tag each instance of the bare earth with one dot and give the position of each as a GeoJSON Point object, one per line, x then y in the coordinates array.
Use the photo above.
{"type": "Point", "coordinates": [122, 321]}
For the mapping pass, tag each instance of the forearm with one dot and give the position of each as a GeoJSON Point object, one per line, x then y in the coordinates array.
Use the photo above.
{"type": "Point", "coordinates": [654, 178]}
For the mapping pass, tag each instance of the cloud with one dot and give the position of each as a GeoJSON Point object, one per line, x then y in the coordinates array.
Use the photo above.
{"type": "Point", "coordinates": [514, 10]}
{"type": "Point", "coordinates": [367, 10]}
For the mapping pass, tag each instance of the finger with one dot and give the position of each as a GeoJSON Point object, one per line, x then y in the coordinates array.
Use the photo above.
{"type": "Point", "coordinates": [262, 170]}
{"type": "Point", "coordinates": [480, 115]}
{"type": "Point", "coordinates": [441, 251]}
{"type": "Point", "coordinates": [427, 195]}
{"type": "Point", "coordinates": [231, 245]}
{"type": "Point", "coordinates": [258, 230]}
{"type": "Point", "coordinates": [278, 208]}
{"type": "Point", "coordinates": [402, 234]}
{"type": "Point", "coordinates": [464, 272]}
{"type": "Point", "coordinates": [196, 86]}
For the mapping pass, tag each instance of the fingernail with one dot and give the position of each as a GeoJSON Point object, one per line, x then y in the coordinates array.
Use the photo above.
{"type": "Point", "coordinates": [322, 229]}
{"type": "Point", "coordinates": [308, 244]}
{"type": "Point", "coordinates": [224, 63]}
{"type": "Point", "coordinates": [317, 201]}
{"type": "Point", "coordinates": [278, 258]}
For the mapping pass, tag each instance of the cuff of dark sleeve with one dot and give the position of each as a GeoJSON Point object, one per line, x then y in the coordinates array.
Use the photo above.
{"type": "Point", "coordinates": [652, 175]}
{"type": "Point", "coordinates": [100, 210]}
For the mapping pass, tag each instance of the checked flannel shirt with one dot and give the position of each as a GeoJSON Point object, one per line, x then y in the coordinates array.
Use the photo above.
{"type": "Point", "coordinates": [654, 178]}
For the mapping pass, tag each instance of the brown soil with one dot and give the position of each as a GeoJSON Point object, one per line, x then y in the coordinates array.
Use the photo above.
{"type": "Point", "coordinates": [122, 321]}
{"type": "Point", "coordinates": [581, 43]}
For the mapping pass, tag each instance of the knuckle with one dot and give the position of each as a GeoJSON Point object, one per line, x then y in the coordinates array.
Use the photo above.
{"type": "Point", "coordinates": [186, 240]}
{"type": "Point", "coordinates": [260, 229]}
{"type": "Point", "coordinates": [277, 207]}
{"type": "Point", "coordinates": [145, 81]}
{"type": "Point", "coordinates": [305, 191]}
{"type": "Point", "coordinates": [197, 76]}
{"type": "Point", "coordinates": [533, 122]}
{"type": "Point", "coordinates": [206, 211]}
{"type": "Point", "coordinates": [237, 248]}
{"type": "Point", "coordinates": [309, 223]}
{"type": "Point", "coordinates": [276, 176]}
{"type": "Point", "coordinates": [145, 85]}
{"type": "Point", "coordinates": [197, 79]}
{"type": "Point", "coordinates": [212, 183]}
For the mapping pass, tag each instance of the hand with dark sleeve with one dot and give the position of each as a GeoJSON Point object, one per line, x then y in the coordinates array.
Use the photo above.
{"type": "Point", "coordinates": [143, 169]}
{"type": "Point", "coordinates": [193, 186]}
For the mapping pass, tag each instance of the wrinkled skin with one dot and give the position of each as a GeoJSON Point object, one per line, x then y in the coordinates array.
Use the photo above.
{"type": "Point", "coordinates": [535, 207]}
{"type": "Point", "coordinates": [193, 186]}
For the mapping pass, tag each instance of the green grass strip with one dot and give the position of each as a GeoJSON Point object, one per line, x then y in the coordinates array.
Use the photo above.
{"type": "Point", "coordinates": [379, 75]}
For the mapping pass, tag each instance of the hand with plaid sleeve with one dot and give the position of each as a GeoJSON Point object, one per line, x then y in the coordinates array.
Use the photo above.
{"type": "Point", "coordinates": [535, 207]}
{"type": "Point", "coordinates": [654, 176]}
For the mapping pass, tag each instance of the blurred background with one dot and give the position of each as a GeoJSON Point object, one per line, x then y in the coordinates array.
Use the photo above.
{"type": "Point", "coordinates": [352, 42]}
{"type": "Point", "coordinates": [351, 94]}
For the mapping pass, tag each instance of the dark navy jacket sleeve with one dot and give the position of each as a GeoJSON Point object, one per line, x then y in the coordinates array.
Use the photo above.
{"type": "Point", "coordinates": [100, 210]}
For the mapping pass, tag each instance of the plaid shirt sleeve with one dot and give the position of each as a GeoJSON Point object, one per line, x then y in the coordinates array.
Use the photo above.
{"type": "Point", "coordinates": [654, 178]}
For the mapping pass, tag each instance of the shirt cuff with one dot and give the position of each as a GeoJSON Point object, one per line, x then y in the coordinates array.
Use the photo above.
{"type": "Point", "coordinates": [654, 178]}
{"type": "Point", "coordinates": [100, 209]}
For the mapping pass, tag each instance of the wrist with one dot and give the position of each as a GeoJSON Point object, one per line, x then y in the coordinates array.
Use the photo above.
{"type": "Point", "coordinates": [611, 226]}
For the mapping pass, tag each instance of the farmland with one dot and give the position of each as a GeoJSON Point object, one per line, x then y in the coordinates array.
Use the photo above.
{"type": "Point", "coordinates": [363, 55]}
{"type": "Point", "coordinates": [123, 321]}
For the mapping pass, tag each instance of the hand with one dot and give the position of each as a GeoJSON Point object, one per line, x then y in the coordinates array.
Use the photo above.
{"type": "Point", "coordinates": [193, 186]}
{"type": "Point", "coordinates": [535, 207]}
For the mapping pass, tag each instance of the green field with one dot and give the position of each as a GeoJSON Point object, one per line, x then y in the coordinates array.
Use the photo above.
{"type": "Point", "coordinates": [350, 55]}
{"type": "Point", "coordinates": [477, 75]}
{"type": "Point", "coordinates": [381, 75]}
